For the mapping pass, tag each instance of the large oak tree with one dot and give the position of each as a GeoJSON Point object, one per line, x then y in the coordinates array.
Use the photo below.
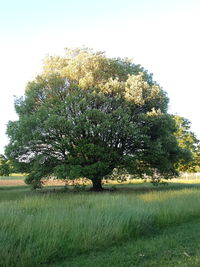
{"type": "Point", "coordinates": [88, 114]}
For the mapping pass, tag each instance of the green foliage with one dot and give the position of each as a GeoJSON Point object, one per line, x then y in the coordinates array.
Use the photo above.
{"type": "Point", "coordinates": [190, 146]}
{"type": "Point", "coordinates": [5, 167]}
{"type": "Point", "coordinates": [86, 115]}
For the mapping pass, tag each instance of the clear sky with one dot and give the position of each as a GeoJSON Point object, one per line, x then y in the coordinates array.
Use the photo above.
{"type": "Point", "coordinates": [161, 35]}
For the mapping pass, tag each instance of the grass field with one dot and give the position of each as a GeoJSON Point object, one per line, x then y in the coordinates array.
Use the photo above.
{"type": "Point", "coordinates": [13, 176]}
{"type": "Point", "coordinates": [135, 225]}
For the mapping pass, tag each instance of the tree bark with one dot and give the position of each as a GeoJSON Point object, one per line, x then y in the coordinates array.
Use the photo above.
{"type": "Point", "coordinates": [96, 185]}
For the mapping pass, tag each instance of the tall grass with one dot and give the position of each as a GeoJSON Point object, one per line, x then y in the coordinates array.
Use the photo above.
{"type": "Point", "coordinates": [39, 229]}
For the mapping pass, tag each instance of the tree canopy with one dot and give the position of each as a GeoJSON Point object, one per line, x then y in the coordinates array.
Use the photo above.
{"type": "Point", "coordinates": [86, 115]}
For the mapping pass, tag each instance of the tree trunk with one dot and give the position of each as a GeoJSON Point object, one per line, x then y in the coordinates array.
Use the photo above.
{"type": "Point", "coordinates": [96, 185]}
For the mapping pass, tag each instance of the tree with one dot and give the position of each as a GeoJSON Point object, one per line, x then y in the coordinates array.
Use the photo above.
{"type": "Point", "coordinates": [87, 115]}
{"type": "Point", "coordinates": [197, 158]}
{"type": "Point", "coordinates": [4, 166]}
{"type": "Point", "coordinates": [189, 143]}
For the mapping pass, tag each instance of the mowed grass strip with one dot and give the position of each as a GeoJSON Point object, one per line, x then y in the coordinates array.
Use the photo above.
{"type": "Point", "coordinates": [13, 176]}
{"type": "Point", "coordinates": [49, 228]}
{"type": "Point", "coordinates": [174, 246]}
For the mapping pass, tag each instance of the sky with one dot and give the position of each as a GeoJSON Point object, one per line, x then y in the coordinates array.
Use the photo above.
{"type": "Point", "coordinates": [161, 35]}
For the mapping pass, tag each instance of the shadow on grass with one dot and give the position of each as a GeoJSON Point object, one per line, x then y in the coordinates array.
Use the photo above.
{"type": "Point", "coordinates": [119, 188]}
{"type": "Point", "coordinates": [15, 187]}
{"type": "Point", "coordinates": [108, 189]}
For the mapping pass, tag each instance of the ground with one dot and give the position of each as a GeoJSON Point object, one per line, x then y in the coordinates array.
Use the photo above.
{"type": "Point", "coordinates": [135, 224]}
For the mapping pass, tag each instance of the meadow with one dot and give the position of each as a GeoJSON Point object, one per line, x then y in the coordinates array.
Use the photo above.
{"type": "Point", "coordinates": [131, 225]}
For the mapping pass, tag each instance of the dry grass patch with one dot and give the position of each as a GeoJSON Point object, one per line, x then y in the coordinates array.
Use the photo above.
{"type": "Point", "coordinates": [11, 182]}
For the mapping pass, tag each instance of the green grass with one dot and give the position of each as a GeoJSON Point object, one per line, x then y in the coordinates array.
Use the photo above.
{"type": "Point", "coordinates": [14, 176]}
{"type": "Point", "coordinates": [70, 229]}
{"type": "Point", "coordinates": [175, 246]}
{"type": "Point", "coordinates": [13, 193]}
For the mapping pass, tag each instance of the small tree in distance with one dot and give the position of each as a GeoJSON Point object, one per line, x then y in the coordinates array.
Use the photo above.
{"type": "Point", "coordinates": [4, 166]}
{"type": "Point", "coordinates": [87, 115]}
{"type": "Point", "coordinates": [188, 141]}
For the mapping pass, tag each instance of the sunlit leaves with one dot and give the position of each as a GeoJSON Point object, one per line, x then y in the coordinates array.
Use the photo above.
{"type": "Point", "coordinates": [88, 114]}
